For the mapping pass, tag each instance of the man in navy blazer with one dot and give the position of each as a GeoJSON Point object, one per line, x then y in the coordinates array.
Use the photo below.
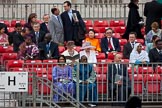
{"type": "Point", "coordinates": [37, 34]}
{"type": "Point", "coordinates": [155, 54]}
{"type": "Point", "coordinates": [128, 47]}
{"type": "Point", "coordinates": [74, 26]}
{"type": "Point", "coordinates": [119, 84]}
{"type": "Point", "coordinates": [48, 49]}
{"type": "Point", "coordinates": [109, 43]}
{"type": "Point", "coordinates": [44, 25]}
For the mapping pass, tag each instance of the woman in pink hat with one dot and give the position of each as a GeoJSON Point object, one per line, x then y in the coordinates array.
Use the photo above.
{"type": "Point", "coordinates": [88, 52]}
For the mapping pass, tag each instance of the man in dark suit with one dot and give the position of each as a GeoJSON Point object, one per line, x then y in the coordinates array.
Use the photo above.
{"type": "Point", "coordinates": [38, 35]}
{"type": "Point", "coordinates": [48, 49]}
{"type": "Point", "coordinates": [109, 43]}
{"type": "Point", "coordinates": [17, 37]}
{"type": "Point", "coordinates": [152, 11]}
{"type": "Point", "coordinates": [74, 26]}
{"type": "Point", "coordinates": [155, 54]}
{"type": "Point", "coordinates": [44, 25]}
{"type": "Point", "coordinates": [130, 45]}
{"type": "Point", "coordinates": [119, 85]}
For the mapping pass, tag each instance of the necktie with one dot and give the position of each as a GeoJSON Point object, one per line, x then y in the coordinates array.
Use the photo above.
{"type": "Point", "coordinates": [37, 37]}
{"type": "Point", "coordinates": [109, 44]}
{"type": "Point", "coordinates": [132, 45]}
{"type": "Point", "coordinates": [160, 52]}
{"type": "Point", "coordinates": [58, 19]}
{"type": "Point", "coordinates": [47, 46]}
{"type": "Point", "coordinates": [118, 68]}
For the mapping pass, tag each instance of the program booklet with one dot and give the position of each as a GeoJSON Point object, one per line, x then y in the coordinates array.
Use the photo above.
{"type": "Point", "coordinates": [73, 57]}
{"type": "Point", "coordinates": [118, 78]}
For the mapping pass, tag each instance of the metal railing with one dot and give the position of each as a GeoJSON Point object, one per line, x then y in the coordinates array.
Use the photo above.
{"type": "Point", "coordinates": [144, 81]}
{"type": "Point", "coordinates": [87, 11]}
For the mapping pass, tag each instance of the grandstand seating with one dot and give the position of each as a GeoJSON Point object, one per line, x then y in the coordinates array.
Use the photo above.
{"type": "Point", "coordinates": [61, 49]}
{"type": "Point", "coordinates": [152, 82]}
{"type": "Point", "coordinates": [6, 49]}
{"type": "Point", "coordinates": [144, 77]}
{"type": "Point", "coordinates": [138, 83]}
{"type": "Point", "coordinates": [33, 63]}
{"type": "Point", "coordinates": [49, 63]}
{"type": "Point", "coordinates": [7, 56]}
{"type": "Point", "coordinates": [101, 23]}
{"type": "Point", "coordinates": [13, 64]}
{"type": "Point", "coordinates": [102, 83]}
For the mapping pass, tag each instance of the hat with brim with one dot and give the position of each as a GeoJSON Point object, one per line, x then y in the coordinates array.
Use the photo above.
{"type": "Point", "coordinates": [70, 44]}
{"type": "Point", "coordinates": [87, 45]}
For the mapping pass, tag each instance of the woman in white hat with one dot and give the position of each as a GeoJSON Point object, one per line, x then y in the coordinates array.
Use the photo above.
{"type": "Point", "coordinates": [71, 54]}
{"type": "Point", "coordinates": [87, 50]}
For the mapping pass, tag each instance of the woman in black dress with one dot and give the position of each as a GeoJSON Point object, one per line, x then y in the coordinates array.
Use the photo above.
{"type": "Point", "coordinates": [134, 20]}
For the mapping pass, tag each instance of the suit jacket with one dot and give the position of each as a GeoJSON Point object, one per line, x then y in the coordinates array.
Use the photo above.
{"type": "Point", "coordinates": [43, 27]}
{"type": "Point", "coordinates": [56, 29]}
{"type": "Point", "coordinates": [71, 28]}
{"type": "Point", "coordinates": [104, 44]}
{"type": "Point", "coordinates": [41, 36]}
{"type": "Point", "coordinates": [53, 48]}
{"type": "Point", "coordinates": [112, 71]}
{"type": "Point", "coordinates": [17, 40]}
{"type": "Point", "coordinates": [127, 50]}
{"type": "Point", "coordinates": [154, 55]}
{"type": "Point", "coordinates": [152, 11]}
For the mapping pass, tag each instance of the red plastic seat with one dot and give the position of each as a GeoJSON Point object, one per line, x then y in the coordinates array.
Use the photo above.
{"type": "Point", "coordinates": [99, 35]}
{"type": "Point", "coordinates": [116, 23]}
{"type": "Point", "coordinates": [77, 48]}
{"type": "Point", "coordinates": [116, 35]}
{"type": "Point", "coordinates": [17, 69]}
{"type": "Point", "coordinates": [43, 88]}
{"type": "Point", "coordinates": [122, 41]}
{"type": "Point", "coordinates": [49, 63]}
{"type": "Point", "coordinates": [101, 56]}
{"type": "Point", "coordinates": [6, 49]}
{"type": "Point", "coordinates": [101, 23]}
{"type": "Point", "coordinates": [110, 56]}
{"type": "Point", "coordinates": [140, 41]}
{"type": "Point", "coordinates": [7, 23]}
{"type": "Point", "coordinates": [13, 22]}
{"type": "Point", "coordinates": [138, 80]}
{"type": "Point", "coordinates": [152, 83]}
{"type": "Point", "coordinates": [158, 70]}
{"type": "Point", "coordinates": [102, 83]}
{"type": "Point", "coordinates": [61, 49]}
{"type": "Point", "coordinates": [39, 71]}
{"type": "Point", "coordinates": [125, 60]}
{"type": "Point", "coordinates": [120, 30]}
{"type": "Point", "coordinates": [145, 70]}
{"type": "Point", "coordinates": [101, 70]}
{"type": "Point", "coordinates": [8, 56]}
{"type": "Point", "coordinates": [10, 29]}
{"type": "Point", "coordinates": [33, 63]}
{"type": "Point", "coordinates": [143, 31]}
{"type": "Point", "coordinates": [88, 23]}
{"type": "Point", "coordinates": [103, 62]}
{"type": "Point", "coordinates": [14, 63]}
{"type": "Point", "coordinates": [22, 22]}
{"type": "Point", "coordinates": [129, 69]}
{"type": "Point", "coordinates": [100, 29]}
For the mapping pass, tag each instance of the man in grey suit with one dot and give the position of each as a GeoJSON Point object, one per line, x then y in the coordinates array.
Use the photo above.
{"type": "Point", "coordinates": [56, 27]}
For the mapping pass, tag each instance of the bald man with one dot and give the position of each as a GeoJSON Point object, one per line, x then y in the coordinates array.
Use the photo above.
{"type": "Point", "coordinates": [118, 81]}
